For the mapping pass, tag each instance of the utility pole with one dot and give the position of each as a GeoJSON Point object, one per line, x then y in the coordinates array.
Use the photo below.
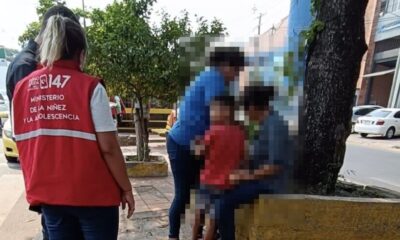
{"type": "Point", "coordinates": [257, 72]}
{"type": "Point", "coordinates": [259, 23]}
{"type": "Point", "coordinates": [259, 17]}
{"type": "Point", "coordinates": [83, 8]}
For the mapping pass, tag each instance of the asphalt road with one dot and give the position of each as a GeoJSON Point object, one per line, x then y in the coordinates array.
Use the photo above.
{"type": "Point", "coordinates": [16, 222]}
{"type": "Point", "coordinates": [372, 166]}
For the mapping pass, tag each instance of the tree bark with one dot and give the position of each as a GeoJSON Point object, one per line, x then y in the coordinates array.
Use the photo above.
{"type": "Point", "coordinates": [142, 135]}
{"type": "Point", "coordinates": [332, 70]}
{"type": "Point", "coordinates": [139, 135]}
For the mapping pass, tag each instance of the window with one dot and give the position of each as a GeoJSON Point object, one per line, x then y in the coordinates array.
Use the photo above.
{"type": "Point", "coordinates": [363, 111]}
{"type": "Point", "coordinates": [383, 7]}
{"type": "Point", "coordinates": [397, 115]}
{"type": "Point", "coordinates": [390, 6]}
{"type": "Point", "coordinates": [379, 113]}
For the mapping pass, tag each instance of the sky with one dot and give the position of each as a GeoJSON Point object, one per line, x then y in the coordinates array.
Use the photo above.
{"type": "Point", "coordinates": [239, 16]}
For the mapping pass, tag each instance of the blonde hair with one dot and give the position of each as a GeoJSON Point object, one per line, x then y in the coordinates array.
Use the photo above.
{"type": "Point", "coordinates": [61, 39]}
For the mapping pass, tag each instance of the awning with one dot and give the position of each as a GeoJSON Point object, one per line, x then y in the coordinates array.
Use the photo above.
{"type": "Point", "coordinates": [376, 74]}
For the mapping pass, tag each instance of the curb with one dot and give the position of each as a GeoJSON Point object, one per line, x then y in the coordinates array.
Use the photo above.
{"type": "Point", "coordinates": [386, 193]}
{"type": "Point", "coordinates": [150, 214]}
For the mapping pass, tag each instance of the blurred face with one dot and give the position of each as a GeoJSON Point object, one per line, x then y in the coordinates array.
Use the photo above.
{"type": "Point", "coordinates": [220, 114]}
{"type": "Point", "coordinates": [257, 114]}
{"type": "Point", "coordinates": [229, 72]}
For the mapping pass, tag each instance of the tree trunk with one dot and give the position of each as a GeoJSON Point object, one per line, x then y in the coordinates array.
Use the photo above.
{"type": "Point", "coordinates": [142, 136]}
{"type": "Point", "coordinates": [145, 132]}
{"type": "Point", "coordinates": [139, 135]}
{"type": "Point", "coordinates": [333, 67]}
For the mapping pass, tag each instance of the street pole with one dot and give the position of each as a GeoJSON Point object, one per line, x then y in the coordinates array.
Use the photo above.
{"type": "Point", "coordinates": [83, 8]}
{"type": "Point", "coordinates": [259, 24]}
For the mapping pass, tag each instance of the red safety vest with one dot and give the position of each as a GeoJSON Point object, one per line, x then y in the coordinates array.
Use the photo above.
{"type": "Point", "coordinates": [60, 158]}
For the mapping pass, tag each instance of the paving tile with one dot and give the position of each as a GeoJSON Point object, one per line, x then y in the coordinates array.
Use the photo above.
{"type": "Point", "coordinates": [151, 202]}
{"type": "Point", "coordinates": [135, 193]}
{"type": "Point", "coordinates": [158, 207]}
{"type": "Point", "coordinates": [142, 209]}
{"type": "Point", "coordinates": [164, 187]}
{"type": "Point", "coordinates": [152, 196]}
{"type": "Point", "coordinates": [169, 196]}
{"type": "Point", "coordinates": [139, 201]}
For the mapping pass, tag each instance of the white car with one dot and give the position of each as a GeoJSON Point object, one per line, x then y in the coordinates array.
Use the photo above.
{"type": "Point", "coordinates": [359, 111]}
{"type": "Point", "coordinates": [384, 122]}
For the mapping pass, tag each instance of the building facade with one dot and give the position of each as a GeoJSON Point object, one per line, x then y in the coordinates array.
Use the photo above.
{"type": "Point", "coordinates": [380, 78]}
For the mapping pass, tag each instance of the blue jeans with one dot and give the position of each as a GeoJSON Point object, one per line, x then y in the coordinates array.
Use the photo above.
{"type": "Point", "coordinates": [89, 223]}
{"type": "Point", "coordinates": [244, 193]}
{"type": "Point", "coordinates": [206, 199]}
{"type": "Point", "coordinates": [186, 172]}
{"type": "Point", "coordinates": [44, 229]}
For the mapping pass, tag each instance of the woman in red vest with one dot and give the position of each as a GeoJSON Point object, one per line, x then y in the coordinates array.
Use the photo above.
{"type": "Point", "coordinates": [72, 164]}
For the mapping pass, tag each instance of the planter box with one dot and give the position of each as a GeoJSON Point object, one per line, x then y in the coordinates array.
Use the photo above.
{"type": "Point", "coordinates": [127, 140]}
{"type": "Point", "coordinates": [319, 217]}
{"type": "Point", "coordinates": [156, 167]}
{"type": "Point", "coordinates": [130, 140]}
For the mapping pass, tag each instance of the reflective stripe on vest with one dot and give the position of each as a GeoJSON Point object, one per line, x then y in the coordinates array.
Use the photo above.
{"type": "Point", "coordinates": [55, 132]}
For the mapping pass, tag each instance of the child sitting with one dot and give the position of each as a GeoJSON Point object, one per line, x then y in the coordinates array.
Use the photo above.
{"type": "Point", "coordinates": [224, 148]}
{"type": "Point", "coordinates": [268, 152]}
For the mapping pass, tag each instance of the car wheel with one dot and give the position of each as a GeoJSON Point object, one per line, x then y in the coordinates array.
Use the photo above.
{"type": "Point", "coordinates": [390, 133]}
{"type": "Point", "coordinates": [12, 159]}
{"type": "Point", "coordinates": [364, 135]}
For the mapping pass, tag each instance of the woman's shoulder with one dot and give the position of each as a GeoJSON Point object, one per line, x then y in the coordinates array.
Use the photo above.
{"type": "Point", "coordinates": [89, 76]}
{"type": "Point", "coordinates": [94, 79]}
{"type": "Point", "coordinates": [210, 73]}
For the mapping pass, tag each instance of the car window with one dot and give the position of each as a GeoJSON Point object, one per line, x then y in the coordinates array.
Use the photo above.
{"type": "Point", "coordinates": [363, 111]}
{"type": "Point", "coordinates": [4, 107]}
{"type": "Point", "coordinates": [397, 115]}
{"type": "Point", "coordinates": [379, 113]}
{"type": "Point", "coordinates": [3, 74]}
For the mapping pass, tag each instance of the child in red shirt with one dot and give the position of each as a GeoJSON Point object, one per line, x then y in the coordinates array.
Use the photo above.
{"type": "Point", "coordinates": [224, 150]}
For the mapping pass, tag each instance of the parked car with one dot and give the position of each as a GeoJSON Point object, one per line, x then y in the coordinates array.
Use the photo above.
{"type": "Point", "coordinates": [4, 109]}
{"type": "Point", "coordinates": [4, 103]}
{"type": "Point", "coordinates": [9, 146]}
{"type": "Point", "coordinates": [359, 111]}
{"type": "Point", "coordinates": [384, 122]}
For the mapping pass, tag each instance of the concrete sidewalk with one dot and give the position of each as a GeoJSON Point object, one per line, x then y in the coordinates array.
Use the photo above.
{"type": "Point", "coordinates": [153, 197]}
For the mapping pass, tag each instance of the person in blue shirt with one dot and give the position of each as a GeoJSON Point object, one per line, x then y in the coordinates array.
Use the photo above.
{"type": "Point", "coordinates": [225, 64]}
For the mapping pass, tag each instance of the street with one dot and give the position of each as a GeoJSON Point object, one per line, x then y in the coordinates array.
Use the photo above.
{"type": "Point", "coordinates": [16, 222]}
{"type": "Point", "coordinates": [371, 161]}
{"type": "Point", "coordinates": [375, 164]}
